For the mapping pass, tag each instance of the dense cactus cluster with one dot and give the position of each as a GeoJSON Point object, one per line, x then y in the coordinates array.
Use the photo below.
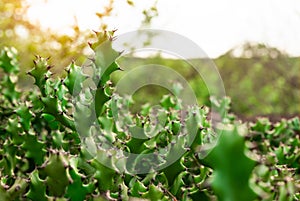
{"type": "Point", "coordinates": [276, 148]}
{"type": "Point", "coordinates": [72, 139]}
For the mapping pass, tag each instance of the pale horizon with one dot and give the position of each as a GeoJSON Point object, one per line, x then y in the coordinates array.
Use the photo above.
{"type": "Point", "coordinates": [216, 26]}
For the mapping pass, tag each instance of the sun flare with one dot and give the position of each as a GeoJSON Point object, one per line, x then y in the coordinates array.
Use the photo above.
{"type": "Point", "coordinates": [60, 16]}
{"type": "Point", "coordinates": [215, 28]}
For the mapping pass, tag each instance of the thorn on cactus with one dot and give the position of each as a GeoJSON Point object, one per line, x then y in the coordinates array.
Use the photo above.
{"type": "Point", "coordinates": [49, 67]}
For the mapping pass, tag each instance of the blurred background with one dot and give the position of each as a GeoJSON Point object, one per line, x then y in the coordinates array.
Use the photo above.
{"type": "Point", "coordinates": [254, 44]}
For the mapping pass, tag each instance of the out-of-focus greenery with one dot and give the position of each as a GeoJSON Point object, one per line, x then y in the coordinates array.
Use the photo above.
{"type": "Point", "coordinates": [152, 93]}
{"type": "Point", "coordinates": [17, 31]}
{"type": "Point", "coordinates": [30, 40]}
{"type": "Point", "coordinates": [260, 80]}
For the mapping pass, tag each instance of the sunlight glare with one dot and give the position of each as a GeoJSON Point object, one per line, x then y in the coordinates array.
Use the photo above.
{"type": "Point", "coordinates": [215, 28]}
{"type": "Point", "coordinates": [60, 16]}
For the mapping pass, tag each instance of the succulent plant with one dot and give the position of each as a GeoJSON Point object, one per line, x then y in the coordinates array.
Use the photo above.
{"type": "Point", "coordinates": [72, 138]}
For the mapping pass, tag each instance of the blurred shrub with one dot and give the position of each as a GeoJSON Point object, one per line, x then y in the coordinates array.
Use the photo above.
{"type": "Point", "coordinates": [261, 80]}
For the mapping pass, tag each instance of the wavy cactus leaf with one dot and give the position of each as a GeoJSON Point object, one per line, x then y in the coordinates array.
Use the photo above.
{"type": "Point", "coordinates": [77, 191]}
{"type": "Point", "coordinates": [17, 189]}
{"type": "Point", "coordinates": [232, 168]}
{"type": "Point", "coordinates": [262, 125]}
{"type": "Point", "coordinates": [178, 183]}
{"type": "Point", "coordinates": [8, 60]}
{"type": "Point", "coordinates": [41, 73]}
{"type": "Point", "coordinates": [9, 160]}
{"type": "Point", "coordinates": [10, 91]}
{"type": "Point", "coordinates": [174, 167]}
{"type": "Point", "coordinates": [83, 117]}
{"type": "Point", "coordinates": [222, 107]}
{"type": "Point", "coordinates": [34, 149]}
{"type": "Point", "coordinates": [50, 119]}
{"type": "Point", "coordinates": [100, 99]}
{"type": "Point", "coordinates": [106, 74]}
{"type": "Point", "coordinates": [175, 127]}
{"type": "Point", "coordinates": [168, 102]}
{"type": "Point", "coordinates": [173, 170]}
{"type": "Point", "coordinates": [137, 145]}
{"type": "Point", "coordinates": [37, 190]}
{"type": "Point", "coordinates": [102, 37]}
{"type": "Point", "coordinates": [51, 105]}
{"type": "Point", "coordinates": [104, 175]}
{"type": "Point", "coordinates": [59, 141]}
{"type": "Point", "coordinates": [123, 192]}
{"type": "Point", "coordinates": [25, 116]}
{"type": "Point", "coordinates": [295, 124]}
{"type": "Point", "coordinates": [13, 127]}
{"type": "Point", "coordinates": [56, 174]}
{"type": "Point", "coordinates": [154, 193]}
{"type": "Point", "coordinates": [74, 79]}
{"type": "Point", "coordinates": [107, 125]}
{"type": "Point", "coordinates": [104, 58]}
{"type": "Point", "coordinates": [136, 188]}
{"type": "Point", "coordinates": [199, 195]}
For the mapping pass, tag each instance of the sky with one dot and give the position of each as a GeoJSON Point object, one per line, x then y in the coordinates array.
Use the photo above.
{"type": "Point", "coordinates": [215, 25]}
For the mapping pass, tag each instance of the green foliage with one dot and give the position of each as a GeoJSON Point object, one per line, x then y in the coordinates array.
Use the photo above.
{"type": "Point", "coordinates": [58, 141]}
{"type": "Point", "coordinates": [17, 30]}
{"type": "Point", "coordinates": [276, 147]}
{"type": "Point", "coordinates": [258, 78]}
{"type": "Point", "coordinates": [232, 168]}
{"type": "Point", "coordinates": [255, 81]}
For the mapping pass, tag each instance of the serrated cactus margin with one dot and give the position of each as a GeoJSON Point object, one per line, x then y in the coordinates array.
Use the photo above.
{"type": "Point", "coordinates": [42, 157]}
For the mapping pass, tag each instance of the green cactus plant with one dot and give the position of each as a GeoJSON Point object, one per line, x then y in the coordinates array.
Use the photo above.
{"type": "Point", "coordinates": [54, 142]}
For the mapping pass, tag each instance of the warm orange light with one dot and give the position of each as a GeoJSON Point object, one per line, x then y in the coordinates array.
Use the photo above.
{"type": "Point", "coordinates": [61, 15]}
